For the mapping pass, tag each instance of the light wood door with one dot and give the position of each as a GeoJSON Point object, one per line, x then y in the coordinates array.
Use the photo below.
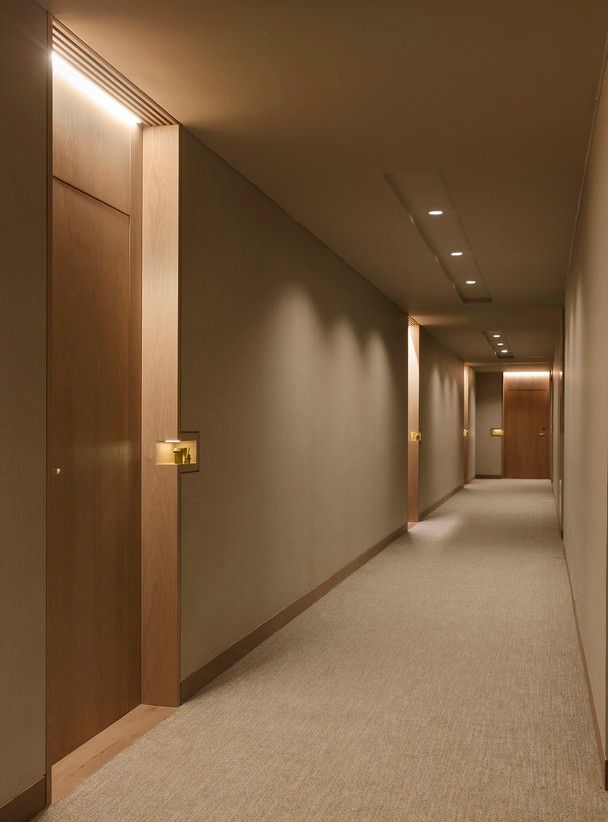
{"type": "Point", "coordinates": [93, 552]}
{"type": "Point", "coordinates": [526, 433]}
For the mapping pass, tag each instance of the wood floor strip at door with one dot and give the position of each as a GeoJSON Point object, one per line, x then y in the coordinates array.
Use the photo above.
{"type": "Point", "coordinates": [77, 766]}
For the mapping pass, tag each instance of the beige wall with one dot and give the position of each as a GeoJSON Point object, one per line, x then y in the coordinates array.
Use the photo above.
{"type": "Point", "coordinates": [586, 414]}
{"type": "Point", "coordinates": [293, 368]}
{"type": "Point", "coordinates": [441, 421]}
{"type": "Point", "coordinates": [488, 449]}
{"type": "Point", "coordinates": [557, 423]}
{"type": "Point", "coordinates": [23, 62]}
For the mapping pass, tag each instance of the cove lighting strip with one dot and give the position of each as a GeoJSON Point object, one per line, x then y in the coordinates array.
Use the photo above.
{"type": "Point", "coordinates": [94, 92]}
{"type": "Point", "coordinates": [527, 373]}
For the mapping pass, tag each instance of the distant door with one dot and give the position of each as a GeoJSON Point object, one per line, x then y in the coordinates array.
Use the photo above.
{"type": "Point", "coordinates": [526, 432]}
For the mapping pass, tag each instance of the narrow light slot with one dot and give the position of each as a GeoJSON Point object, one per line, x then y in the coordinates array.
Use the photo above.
{"type": "Point", "coordinates": [527, 373]}
{"type": "Point", "coordinates": [95, 93]}
{"type": "Point", "coordinates": [470, 282]}
{"type": "Point", "coordinates": [436, 212]}
{"type": "Point", "coordinates": [456, 253]}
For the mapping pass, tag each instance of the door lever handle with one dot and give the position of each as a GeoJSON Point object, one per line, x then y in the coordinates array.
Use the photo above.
{"type": "Point", "coordinates": [56, 471]}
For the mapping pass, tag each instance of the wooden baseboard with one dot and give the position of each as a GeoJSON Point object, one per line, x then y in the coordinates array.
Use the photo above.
{"type": "Point", "coordinates": [439, 502]}
{"type": "Point", "coordinates": [488, 476]}
{"type": "Point", "coordinates": [25, 805]}
{"type": "Point", "coordinates": [216, 666]}
{"type": "Point", "coordinates": [596, 724]}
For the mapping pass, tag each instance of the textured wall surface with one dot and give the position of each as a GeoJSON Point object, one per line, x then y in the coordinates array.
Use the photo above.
{"type": "Point", "coordinates": [293, 368]}
{"type": "Point", "coordinates": [23, 66]}
{"type": "Point", "coordinates": [441, 421]}
{"type": "Point", "coordinates": [488, 449]}
{"type": "Point", "coordinates": [586, 416]}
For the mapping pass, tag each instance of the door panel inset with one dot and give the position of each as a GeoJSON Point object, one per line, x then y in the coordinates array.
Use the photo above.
{"type": "Point", "coordinates": [93, 557]}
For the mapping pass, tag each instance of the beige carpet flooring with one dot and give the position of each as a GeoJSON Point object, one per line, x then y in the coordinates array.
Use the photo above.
{"type": "Point", "coordinates": [442, 681]}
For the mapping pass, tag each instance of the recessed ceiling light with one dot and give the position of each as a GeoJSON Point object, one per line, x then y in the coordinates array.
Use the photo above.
{"type": "Point", "coordinates": [456, 253]}
{"type": "Point", "coordinates": [470, 282]}
{"type": "Point", "coordinates": [496, 336]}
{"type": "Point", "coordinates": [436, 212]}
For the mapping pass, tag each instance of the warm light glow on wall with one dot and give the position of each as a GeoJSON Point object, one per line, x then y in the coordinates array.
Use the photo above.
{"type": "Point", "coordinates": [527, 373]}
{"type": "Point", "coordinates": [94, 92]}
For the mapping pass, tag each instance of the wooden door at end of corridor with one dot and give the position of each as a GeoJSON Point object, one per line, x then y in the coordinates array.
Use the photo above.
{"type": "Point", "coordinates": [526, 421]}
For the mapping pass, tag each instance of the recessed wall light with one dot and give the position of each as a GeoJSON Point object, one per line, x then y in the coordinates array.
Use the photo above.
{"type": "Point", "coordinates": [436, 212]}
{"type": "Point", "coordinates": [470, 282]}
{"type": "Point", "coordinates": [97, 94]}
{"type": "Point", "coordinates": [456, 253]}
{"type": "Point", "coordinates": [504, 350]}
{"type": "Point", "coordinates": [496, 336]}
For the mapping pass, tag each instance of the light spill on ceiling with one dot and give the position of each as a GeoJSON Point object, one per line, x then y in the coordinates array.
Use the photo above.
{"type": "Point", "coordinates": [480, 108]}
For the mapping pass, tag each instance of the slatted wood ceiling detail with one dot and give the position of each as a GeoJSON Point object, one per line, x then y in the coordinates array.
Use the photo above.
{"type": "Point", "coordinates": [83, 58]}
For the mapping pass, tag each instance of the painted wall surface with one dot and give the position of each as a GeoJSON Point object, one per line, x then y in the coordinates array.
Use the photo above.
{"type": "Point", "coordinates": [585, 414]}
{"type": "Point", "coordinates": [441, 421]}
{"type": "Point", "coordinates": [293, 368]}
{"type": "Point", "coordinates": [557, 423]}
{"type": "Point", "coordinates": [23, 66]}
{"type": "Point", "coordinates": [488, 449]}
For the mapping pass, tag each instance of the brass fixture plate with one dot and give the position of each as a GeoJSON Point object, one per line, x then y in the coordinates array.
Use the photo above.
{"type": "Point", "coordinates": [415, 436]}
{"type": "Point", "coordinates": [496, 432]}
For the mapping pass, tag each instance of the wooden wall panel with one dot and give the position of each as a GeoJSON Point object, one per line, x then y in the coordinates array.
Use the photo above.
{"type": "Point", "coordinates": [91, 147]}
{"type": "Point", "coordinates": [413, 418]}
{"type": "Point", "coordinates": [160, 416]}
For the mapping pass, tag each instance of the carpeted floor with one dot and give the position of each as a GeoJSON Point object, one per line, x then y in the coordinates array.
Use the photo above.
{"type": "Point", "coordinates": [442, 681]}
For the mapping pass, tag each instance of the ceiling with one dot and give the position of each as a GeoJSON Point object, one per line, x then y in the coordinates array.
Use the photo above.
{"type": "Point", "coordinates": [359, 116]}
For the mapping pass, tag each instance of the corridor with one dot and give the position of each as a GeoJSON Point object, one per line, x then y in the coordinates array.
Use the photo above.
{"type": "Point", "coordinates": [442, 681]}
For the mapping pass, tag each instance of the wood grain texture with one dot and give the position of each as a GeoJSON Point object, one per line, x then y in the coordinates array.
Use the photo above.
{"type": "Point", "coordinates": [413, 418]}
{"type": "Point", "coordinates": [220, 663]}
{"type": "Point", "coordinates": [93, 754]}
{"type": "Point", "coordinates": [467, 377]}
{"type": "Point", "coordinates": [91, 147]}
{"type": "Point", "coordinates": [26, 804]}
{"type": "Point", "coordinates": [160, 416]}
{"type": "Point", "coordinates": [527, 432]}
{"type": "Point", "coordinates": [513, 381]}
{"type": "Point", "coordinates": [93, 556]}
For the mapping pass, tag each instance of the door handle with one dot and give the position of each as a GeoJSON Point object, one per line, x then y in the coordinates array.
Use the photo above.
{"type": "Point", "coordinates": [56, 471]}
{"type": "Point", "coordinates": [541, 433]}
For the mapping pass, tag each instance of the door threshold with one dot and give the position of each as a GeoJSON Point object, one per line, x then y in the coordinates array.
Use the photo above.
{"type": "Point", "coordinates": [78, 765]}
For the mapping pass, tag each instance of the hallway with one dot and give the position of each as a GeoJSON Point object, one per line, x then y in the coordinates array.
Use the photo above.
{"type": "Point", "coordinates": [442, 681]}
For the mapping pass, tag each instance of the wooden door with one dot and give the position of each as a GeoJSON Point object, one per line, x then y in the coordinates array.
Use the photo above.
{"type": "Point", "coordinates": [526, 430]}
{"type": "Point", "coordinates": [93, 553]}
{"type": "Point", "coordinates": [413, 420]}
